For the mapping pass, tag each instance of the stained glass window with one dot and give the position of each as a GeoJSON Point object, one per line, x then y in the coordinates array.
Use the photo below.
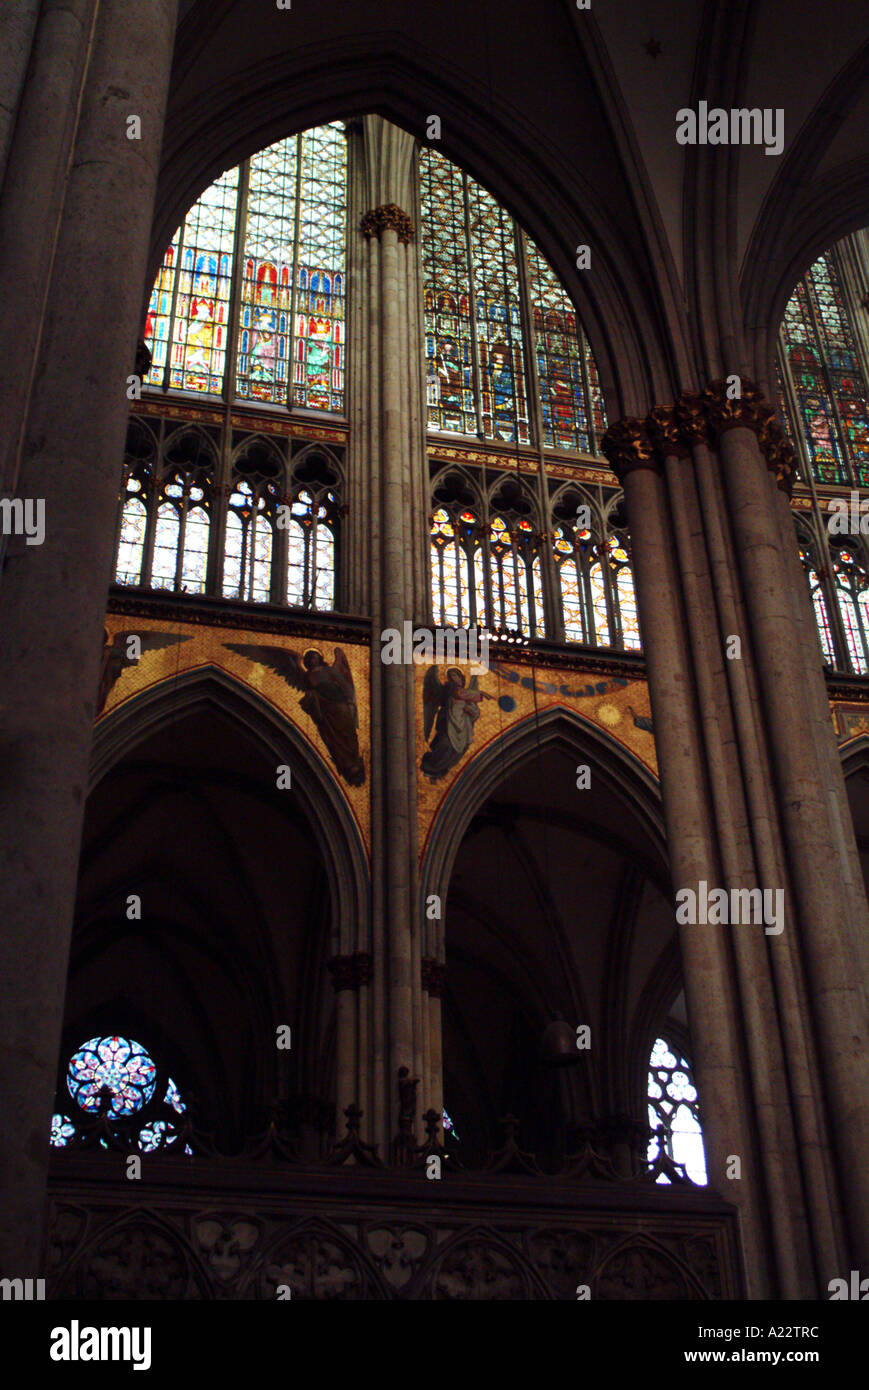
{"type": "Point", "coordinates": [311, 551]}
{"type": "Point", "coordinates": [503, 396]}
{"type": "Point", "coordinates": [819, 603]}
{"type": "Point", "coordinates": [247, 566]}
{"type": "Point", "coordinates": [449, 346]}
{"type": "Point", "coordinates": [116, 1077]}
{"type": "Point", "coordinates": [62, 1131]}
{"type": "Point", "coordinates": [269, 255]}
{"type": "Point", "coordinates": [819, 353]}
{"type": "Point", "coordinates": [517, 586]}
{"type": "Point", "coordinates": [473, 319]}
{"type": "Point", "coordinates": [852, 591]}
{"type": "Point", "coordinates": [201, 322]}
{"type": "Point", "coordinates": [287, 328]}
{"type": "Point", "coordinates": [450, 1129]}
{"type": "Point", "coordinates": [624, 594]}
{"type": "Point", "coordinates": [565, 368]}
{"type": "Point", "coordinates": [598, 602]}
{"type": "Point", "coordinates": [120, 1065]}
{"type": "Point", "coordinates": [674, 1115]}
{"type": "Point", "coordinates": [597, 578]}
{"type": "Point", "coordinates": [318, 368]}
{"type": "Point", "coordinates": [458, 589]}
{"type": "Point", "coordinates": [475, 325]}
{"type": "Point", "coordinates": [134, 519]}
{"type": "Point", "coordinates": [281, 539]}
{"type": "Point", "coordinates": [159, 318]}
{"type": "Point", "coordinates": [161, 1133]}
{"type": "Point", "coordinates": [571, 552]}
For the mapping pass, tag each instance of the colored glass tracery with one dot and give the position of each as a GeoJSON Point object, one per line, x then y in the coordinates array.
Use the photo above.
{"type": "Point", "coordinates": [116, 1077]}
{"type": "Point", "coordinates": [674, 1116]}
{"type": "Point", "coordinates": [476, 354]}
{"type": "Point", "coordinates": [287, 208]}
{"type": "Point", "coordinates": [559, 353]}
{"type": "Point", "coordinates": [598, 601]}
{"type": "Point", "coordinates": [819, 354]}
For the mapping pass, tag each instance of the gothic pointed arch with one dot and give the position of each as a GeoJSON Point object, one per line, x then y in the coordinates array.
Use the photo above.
{"type": "Point", "coordinates": [557, 727]}
{"type": "Point", "coordinates": [318, 793]}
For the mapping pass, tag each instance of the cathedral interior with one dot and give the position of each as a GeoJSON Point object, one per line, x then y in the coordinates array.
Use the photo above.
{"type": "Point", "coordinates": [333, 960]}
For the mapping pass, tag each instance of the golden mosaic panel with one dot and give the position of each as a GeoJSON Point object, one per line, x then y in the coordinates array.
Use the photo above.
{"type": "Point", "coordinates": [322, 698]}
{"type": "Point", "coordinates": [849, 720]}
{"type": "Point", "coordinates": [448, 739]}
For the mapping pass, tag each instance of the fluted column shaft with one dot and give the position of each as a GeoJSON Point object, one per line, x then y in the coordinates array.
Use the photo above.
{"type": "Point", "coordinates": [729, 1116]}
{"type": "Point", "coordinates": [394, 491]}
{"type": "Point", "coordinates": [815, 838]}
{"type": "Point", "coordinates": [754, 798]}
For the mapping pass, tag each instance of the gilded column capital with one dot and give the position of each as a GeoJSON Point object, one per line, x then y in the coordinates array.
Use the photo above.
{"type": "Point", "coordinates": [627, 447]}
{"type": "Point", "coordinates": [749, 410]}
{"type": "Point", "coordinates": [388, 215]}
{"type": "Point", "coordinates": [691, 410]}
{"type": "Point", "coordinates": [778, 453]}
{"type": "Point", "coordinates": [664, 427]}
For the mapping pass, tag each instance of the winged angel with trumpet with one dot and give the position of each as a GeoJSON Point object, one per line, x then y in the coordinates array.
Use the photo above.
{"type": "Point", "coordinates": [453, 708]}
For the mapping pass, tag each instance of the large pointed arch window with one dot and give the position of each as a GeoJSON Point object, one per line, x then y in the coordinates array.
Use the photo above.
{"type": "Point", "coordinates": [249, 300]}
{"type": "Point", "coordinates": [502, 338]}
{"type": "Point", "coordinates": [822, 371]}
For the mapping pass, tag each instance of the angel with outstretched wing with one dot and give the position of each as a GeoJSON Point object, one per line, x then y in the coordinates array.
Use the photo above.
{"type": "Point", "coordinates": [117, 656]}
{"type": "Point", "coordinates": [452, 707]}
{"type": "Point", "coordinates": [329, 698]}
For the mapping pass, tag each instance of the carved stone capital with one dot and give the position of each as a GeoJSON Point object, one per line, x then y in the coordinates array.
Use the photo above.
{"type": "Point", "coordinates": [664, 427]}
{"type": "Point", "coordinates": [752, 411]}
{"type": "Point", "coordinates": [693, 422]}
{"type": "Point", "coordinates": [388, 215]}
{"type": "Point", "coordinates": [350, 972]}
{"type": "Point", "coordinates": [434, 977]}
{"type": "Point", "coordinates": [627, 446]}
{"type": "Point", "coordinates": [749, 410]}
{"type": "Point", "coordinates": [778, 453]}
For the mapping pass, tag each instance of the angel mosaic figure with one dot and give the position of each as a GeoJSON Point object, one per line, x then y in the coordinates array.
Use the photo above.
{"type": "Point", "coordinates": [329, 699]}
{"type": "Point", "coordinates": [453, 708]}
{"type": "Point", "coordinates": [119, 654]}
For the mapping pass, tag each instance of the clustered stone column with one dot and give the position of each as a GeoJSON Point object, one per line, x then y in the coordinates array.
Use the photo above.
{"type": "Point", "coordinates": [384, 462]}
{"type": "Point", "coordinates": [351, 976]}
{"type": "Point", "coordinates": [754, 797]}
{"type": "Point", "coordinates": [433, 983]}
{"type": "Point", "coordinates": [62, 437]}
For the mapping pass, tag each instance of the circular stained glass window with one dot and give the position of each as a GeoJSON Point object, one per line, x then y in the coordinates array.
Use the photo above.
{"type": "Point", "coordinates": [62, 1131]}
{"type": "Point", "coordinates": [122, 1065]}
